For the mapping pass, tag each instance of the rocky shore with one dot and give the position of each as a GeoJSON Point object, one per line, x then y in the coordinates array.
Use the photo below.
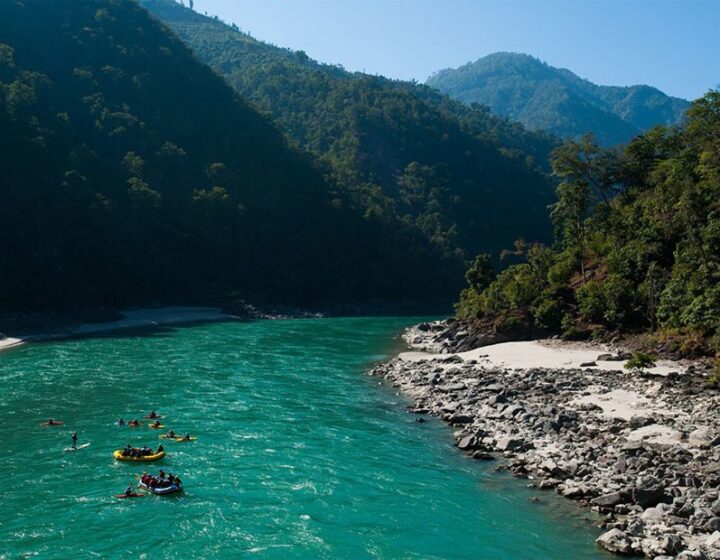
{"type": "Point", "coordinates": [641, 449]}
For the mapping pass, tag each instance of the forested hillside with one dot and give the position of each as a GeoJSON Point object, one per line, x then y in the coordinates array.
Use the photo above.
{"type": "Point", "coordinates": [132, 173]}
{"type": "Point", "coordinates": [640, 243]}
{"type": "Point", "coordinates": [542, 97]}
{"type": "Point", "coordinates": [468, 180]}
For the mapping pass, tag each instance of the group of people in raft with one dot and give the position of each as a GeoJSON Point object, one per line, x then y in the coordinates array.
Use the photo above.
{"type": "Point", "coordinates": [143, 451]}
{"type": "Point", "coordinates": [162, 480]}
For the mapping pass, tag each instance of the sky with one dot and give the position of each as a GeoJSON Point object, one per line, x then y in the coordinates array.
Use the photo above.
{"type": "Point", "coordinates": [673, 45]}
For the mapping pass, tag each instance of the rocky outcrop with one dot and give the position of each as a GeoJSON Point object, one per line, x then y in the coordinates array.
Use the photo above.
{"type": "Point", "coordinates": [450, 335]}
{"type": "Point", "coordinates": [654, 476]}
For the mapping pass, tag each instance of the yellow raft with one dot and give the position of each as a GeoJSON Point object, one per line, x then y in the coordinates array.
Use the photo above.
{"type": "Point", "coordinates": [144, 459]}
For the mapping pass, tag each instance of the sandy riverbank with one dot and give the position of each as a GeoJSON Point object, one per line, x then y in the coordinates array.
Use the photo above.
{"type": "Point", "coordinates": [644, 450]}
{"type": "Point", "coordinates": [549, 354]}
{"type": "Point", "coordinates": [133, 319]}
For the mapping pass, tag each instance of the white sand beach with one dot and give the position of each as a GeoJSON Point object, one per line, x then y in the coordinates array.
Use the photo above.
{"type": "Point", "coordinates": [542, 353]}
{"type": "Point", "coordinates": [132, 319]}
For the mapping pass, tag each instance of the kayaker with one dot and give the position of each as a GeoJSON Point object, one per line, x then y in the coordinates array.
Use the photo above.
{"type": "Point", "coordinates": [155, 424]}
{"type": "Point", "coordinates": [187, 437]}
{"type": "Point", "coordinates": [134, 422]}
{"type": "Point", "coordinates": [152, 414]}
{"type": "Point", "coordinates": [160, 449]}
{"type": "Point", "coordinates": [170, 434]}
{"type": "Point", "coordinates": [130, 490]}
{"type": "Point", "coordinates": [74, 440]}
{"type": "Point", "coordinates": [121, 422]}
{"type": "Point", "coordinates": [51, 422]}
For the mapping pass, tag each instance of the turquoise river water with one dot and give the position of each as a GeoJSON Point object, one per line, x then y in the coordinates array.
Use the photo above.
{"type": "Point", "coordinates": [299, 454]}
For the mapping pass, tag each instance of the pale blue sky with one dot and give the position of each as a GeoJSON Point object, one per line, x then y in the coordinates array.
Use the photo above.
{"type": "Point", "coordinates": [671, 44]}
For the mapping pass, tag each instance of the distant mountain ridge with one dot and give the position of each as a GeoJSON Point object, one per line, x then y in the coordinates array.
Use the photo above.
{"type": "Point", "coordinates": [542, 97]}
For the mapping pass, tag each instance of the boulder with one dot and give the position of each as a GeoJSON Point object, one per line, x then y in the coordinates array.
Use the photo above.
{"type": "Point", "coordinates": [461, 419]}
{"type": "Point", "coordinates": [715, 508]}
{"type": "Point", "coordinates": [649, 496]}
{"type": "Point", "coordinates": [712, 525]}
{"type": "Point", "coordinates": [483, 456]}
{"type": "Point", "coordinates": [611, 500]}
{"type": "Point", "coordinates": [512, 444]}
{"type": "Point", "coordinates": [615, 540]}
{"type": "Point", "coordinates": [468, 443]}
{"type": "Point", "coordinates": [702, 438]}
{"type": "Point", "coordinates": [654, 547]}
{"type": "Point", "coordinates": [652, 515]}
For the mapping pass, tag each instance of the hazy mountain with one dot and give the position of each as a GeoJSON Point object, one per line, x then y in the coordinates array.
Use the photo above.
{"type": "Point", "coordinates": [542, 97]}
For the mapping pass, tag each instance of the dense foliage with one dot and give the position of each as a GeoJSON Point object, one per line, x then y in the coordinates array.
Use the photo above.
{"type": "Point", "coordinates": [469, 181]}
{"type": "Point", "coordinates": [132, 173]}
{"type": "Point", "coordinates": [546, 98]}
{"type": "Point", "coordinates": [639, 240]}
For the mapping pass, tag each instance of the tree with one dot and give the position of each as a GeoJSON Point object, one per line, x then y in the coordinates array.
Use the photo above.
{"type": "Point", "coordinates": [588, 174]}
{"type": "Point", "coordinates": [480, 274]}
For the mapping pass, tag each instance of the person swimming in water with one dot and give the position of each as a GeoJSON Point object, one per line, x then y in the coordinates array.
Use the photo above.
{"type": "Point", "coordinates": [74, 440]}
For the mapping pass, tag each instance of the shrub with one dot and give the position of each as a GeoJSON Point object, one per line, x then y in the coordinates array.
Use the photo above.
{"type": "Point", "coordinates": [640, 362]}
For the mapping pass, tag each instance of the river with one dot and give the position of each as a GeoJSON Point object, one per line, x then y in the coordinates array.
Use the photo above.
{"type": "Point", "coordinates": [299, 455]}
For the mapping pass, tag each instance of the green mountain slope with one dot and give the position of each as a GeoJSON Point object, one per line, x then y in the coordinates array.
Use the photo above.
{"type": "Point", "coordinates": [640, 249]}
{"type": "Point", "coordinates": [132, 173]}
{"type": "Point", "coordinates": [470, 181]}
{"type": "Point", "coordinates": [542, 97]}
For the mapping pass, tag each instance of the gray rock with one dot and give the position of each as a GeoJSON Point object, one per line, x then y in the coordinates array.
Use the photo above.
{"type": "Point", "coordinates": [467, 443]}
{"type": "Point", "coordinates": [615, 540]}
{"type": "Point", "coordinates": [611, 500]}
{"type": "Point", "coordinates": [512, 444]}
{"type": "Point", "coordinates": [652, 515]}
{"type": "Point", "coordinates": [650, 496]}
{"type": "Point", "coordinates": [715, 508]}
{"type": "Point", "coordinates": [461, 419]}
